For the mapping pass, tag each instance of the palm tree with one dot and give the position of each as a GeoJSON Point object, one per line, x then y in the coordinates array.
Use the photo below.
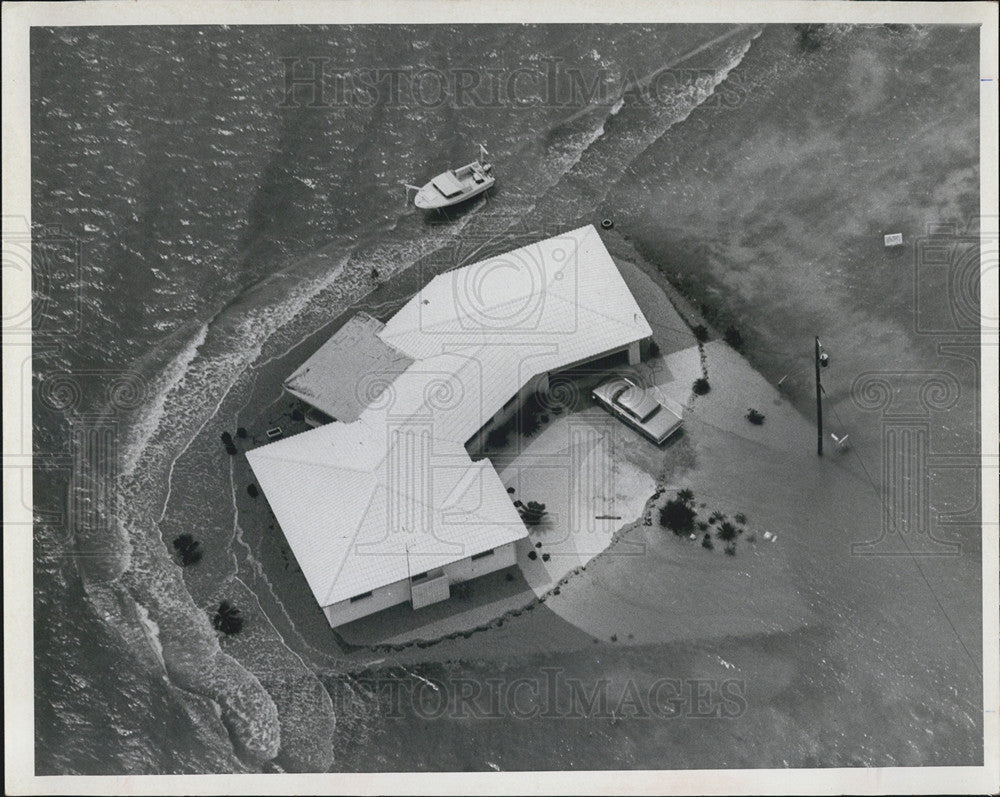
{"type": "Point", "coordinates": [188, 548]}
{"type": "Point", "coordinates": [228, 619]}
{"type": "Point", "coordinates": [532, 513]}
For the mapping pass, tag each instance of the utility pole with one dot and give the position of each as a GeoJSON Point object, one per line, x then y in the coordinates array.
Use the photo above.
{"type": "Point", "coordinates": [819, 405]}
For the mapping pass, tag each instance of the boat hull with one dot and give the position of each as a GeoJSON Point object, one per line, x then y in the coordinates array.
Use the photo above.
{"type": "Point", "coordinates": [429, 198]}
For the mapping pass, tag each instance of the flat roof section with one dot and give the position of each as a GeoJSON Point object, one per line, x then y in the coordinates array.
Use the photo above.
{"type": "Point", "coordinates": [349, 371]}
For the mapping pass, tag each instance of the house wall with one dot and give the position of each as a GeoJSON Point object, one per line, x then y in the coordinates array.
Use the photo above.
{"type": "Point", "coordinates": [399, 591]}
{"type": "Point", "coordinates": [382, 598]}
{"type": "Point", "coordinates": [465, 569]}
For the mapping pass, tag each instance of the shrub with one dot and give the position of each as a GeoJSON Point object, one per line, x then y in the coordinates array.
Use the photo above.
{"type": "Point", "coordinates": [740, 518]}
{"type": "Point", "coordinates": [188, 548]}
{"type": "Point", "coordinates": [727, 531]}
{"type": "Point", "coordinates": [497, 438]}
{"type": "Point", "coordinates": [734, 338]}
{"type": "Point", "coordinates": [701, 386]}
{"type": "Point", "coordinates": [654, 349]}
{"type": "Point", "coordinates": [702, 525]}
{"type": "Point", "coordinates": [701, 333]}
{"type": "Point", "coordinates": [678, 516]}
{"type": "Point", "coordinates": [529, 416]}
{"type": "Point", "coordinates": [731, 549]}
{"type": "Point", "coordinates": [756, 418]}
{"type": "Point", "coordinates": [716, 516]}
{"type": "Point", "coordinates": [533, 513]}
{"type": "Point", "coordinates": [228, 619]}
{"type": "Point", "coordinates": [686, 495]}
{"type": "Point", "coordinates": [706, 542]}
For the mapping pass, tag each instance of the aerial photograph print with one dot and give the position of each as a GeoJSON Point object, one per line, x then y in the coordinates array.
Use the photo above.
{"type": "Point", "coordinates": [551, 403]}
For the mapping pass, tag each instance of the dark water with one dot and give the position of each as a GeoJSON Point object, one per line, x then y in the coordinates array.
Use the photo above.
{"type": "Point", "coordinates": [215, 227]}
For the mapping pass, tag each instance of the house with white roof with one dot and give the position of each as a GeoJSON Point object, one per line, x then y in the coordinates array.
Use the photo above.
{"type": "Point", "coordinates": [385, 505]}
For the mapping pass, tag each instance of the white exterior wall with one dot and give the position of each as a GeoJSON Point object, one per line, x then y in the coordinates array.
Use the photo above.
{"type": "Point", "coordinates": [399, 591]}
{"type": "Point", "coordinates": [382, 598]}
{"type": "Point", "coordinates": [465, 569]}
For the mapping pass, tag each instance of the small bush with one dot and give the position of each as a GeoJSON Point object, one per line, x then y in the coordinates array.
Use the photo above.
{"type": "Point", "coordinates": [497, 438]}
{"type": "Point", "coordinates": [701, 333]}
{"type": "Point", "coordinates": [731, 549]}
{"type": "Point", "coordinates": [701, 386]}
{"type": "Point", "coordinates": [686, 495]}
{"type": "Point", "coordinates": [188, 549]}
{"type": "Point", "coordinates": [756, 418]}
{"type": "Point", "coordinates": [706, 542]}
{"type": "Point", "coordinates": [678, 516]}
{"type": "Point", "coordinates": [533, 513]}
{"type": "Point", "coordinates": [734, 338]}
{"type": "Point", "coordinates": [530, 416]}
{"type": "Point", "coordinates": [654, 349]}
{"type": "Point", "coordinates": [228, 619]}
{"type": "Point", "coordinates": [727, 531]}
{"type": "Point", "coordinates": [716, 516]}
{"type": "Point", "coordinates": [702, 525]}
{"type": "Point", "coordinates": [740, 518]}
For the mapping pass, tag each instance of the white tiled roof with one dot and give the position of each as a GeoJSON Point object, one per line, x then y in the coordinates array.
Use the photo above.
{"type": "Point", "coordinates": [364, 504]}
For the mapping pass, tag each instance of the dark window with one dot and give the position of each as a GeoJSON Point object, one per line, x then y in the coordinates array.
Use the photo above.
{"type": "Point", "coordinates": [482, 555]}
{"type": "Point", "coordinates": [419, 577]}
{"type": "Point", "coordinates": [361, 597]}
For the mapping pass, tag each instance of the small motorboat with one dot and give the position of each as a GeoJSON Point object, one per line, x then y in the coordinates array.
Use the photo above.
{"type": "Point", "coordinates": [455, 185]}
